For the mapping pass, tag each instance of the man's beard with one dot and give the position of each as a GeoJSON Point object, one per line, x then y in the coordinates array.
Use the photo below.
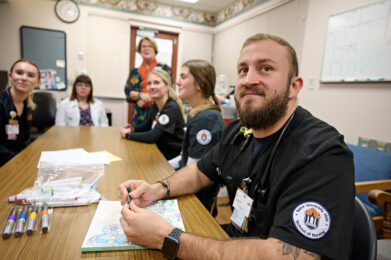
{"type": "Point", "coordinates": [267, 115]}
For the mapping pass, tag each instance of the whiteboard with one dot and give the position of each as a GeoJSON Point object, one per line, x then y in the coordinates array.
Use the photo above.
{"type": "Point", "coordinates": [358, 45]}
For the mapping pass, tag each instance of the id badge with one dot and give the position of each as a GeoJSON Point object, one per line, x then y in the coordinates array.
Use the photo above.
{"type": "Point", "coordinates": [12, 129]}
{"type": "Point", "coordinates": [242, 208]}
{"type": "Point", "coordinates": [243, 203]}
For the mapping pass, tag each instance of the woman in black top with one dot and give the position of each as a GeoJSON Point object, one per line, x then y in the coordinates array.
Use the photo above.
{"type": "Point", "coordinates": [16, 109]}
{"type": "Point", "coordinates": [165, 124]}
{"type": "Point", "coordinates": [205, 123]}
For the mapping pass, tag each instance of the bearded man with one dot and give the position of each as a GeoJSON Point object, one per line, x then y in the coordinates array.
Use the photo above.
{"type": "Point", "coordinates": [289, 175]}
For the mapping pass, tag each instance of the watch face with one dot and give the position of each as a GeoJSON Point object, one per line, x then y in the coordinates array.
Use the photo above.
{"type": "Point", "coordinates": [67, 11]}
{"type": "Point", "coordinates": [170, 247]}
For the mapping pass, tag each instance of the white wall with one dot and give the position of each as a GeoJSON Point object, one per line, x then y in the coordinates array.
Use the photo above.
{"type": "Point", "coordinates": [354, 109]}
{"type": "Point", "coordinates": [105, 59]}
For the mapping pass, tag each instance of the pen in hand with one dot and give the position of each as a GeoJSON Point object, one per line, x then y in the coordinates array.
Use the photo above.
{"type": "Point", "coordinates": [129, 198]}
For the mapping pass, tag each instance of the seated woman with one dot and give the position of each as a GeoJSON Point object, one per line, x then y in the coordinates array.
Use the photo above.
{"type": "Point", "coordinates": [196, 85]}
{"type": "Point", "coordinates": [16, 108]}
{"type": "Point", "coordinates": [165, 124]}
{"type": "Point", "coordinates": [81, 108]}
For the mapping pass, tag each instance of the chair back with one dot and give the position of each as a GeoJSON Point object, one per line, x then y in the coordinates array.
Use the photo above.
{"type": "Point", "coordinates": [364, 240]}
{"type": "Point", "coordinates": [370, 165]}
{"type": "Point", "coordinates": [3, 79]}
{"type": "Point", "coordinates": [45, 113]}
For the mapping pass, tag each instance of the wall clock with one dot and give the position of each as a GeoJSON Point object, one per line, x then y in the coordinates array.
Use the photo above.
{"type": "Point", "coordinates": [68, 11]}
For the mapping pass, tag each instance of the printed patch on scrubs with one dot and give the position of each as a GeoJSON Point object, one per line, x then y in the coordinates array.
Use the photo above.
{"type": "Point", "coordinates": [164, 119]}
{"type": "Point", "coordinates": [204, 137]}
{"type": "Point", "coordinates": [311, 219]}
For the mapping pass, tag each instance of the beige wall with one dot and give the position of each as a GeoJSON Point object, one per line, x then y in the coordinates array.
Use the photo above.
{"type": "Point", "coordinates": [354, 109]}
{"type": "Point", "coordinates": [106, 60]}
{"type": "Point", "coordinates": [287, 21]}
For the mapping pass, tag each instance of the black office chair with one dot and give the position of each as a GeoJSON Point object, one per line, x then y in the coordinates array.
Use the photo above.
{"type": "Point", "coordinates": [364, 240]}
{"type": "Point", "coordinates": [3, 79]}
{"type": "Point", "coordinates": [44, 114]}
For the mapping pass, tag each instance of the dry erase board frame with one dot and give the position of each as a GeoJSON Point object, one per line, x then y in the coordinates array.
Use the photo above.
{"type": "Point", "coordinates": [358, 45]}
{"type": "Point", "coordinates": [47, 48]}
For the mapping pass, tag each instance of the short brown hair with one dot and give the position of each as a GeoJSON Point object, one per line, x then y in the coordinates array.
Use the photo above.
{"type": "Point", "coordinates": [294, 70]}
{"type": "Point", "coordinates": [84, 79]}
{"type": "Point", "coordinates": [152, 41]}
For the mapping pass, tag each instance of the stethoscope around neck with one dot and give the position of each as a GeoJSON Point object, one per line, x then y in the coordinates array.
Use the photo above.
{"type": "Point", "coordinates": [260, 188]}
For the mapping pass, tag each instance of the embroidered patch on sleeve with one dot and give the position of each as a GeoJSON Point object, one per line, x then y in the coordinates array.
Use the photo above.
{"type": "Point", "coordinates": [164, 119]}
{"type": "Point", "coordinates": [311, 219]}
{"type": "Point", "coordinates": [204, 137]}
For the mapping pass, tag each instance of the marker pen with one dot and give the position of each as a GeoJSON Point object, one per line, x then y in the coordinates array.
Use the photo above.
{"type": "Point", "coordinates": [9, 224]}
{"type": "Point", "coordinates": [21, 222]}
{"type": "Point", "coordinates": [129, 198]}
{"type": "Point", "coordinates": [31, 221]}
{"type": "Point", "coordinates": [45, 218]}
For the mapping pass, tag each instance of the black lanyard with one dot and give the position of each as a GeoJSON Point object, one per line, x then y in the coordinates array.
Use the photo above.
{"type": "Point", "coordinates": [246, 142]}
{"type": "Point", "coordinates": [260, 181]}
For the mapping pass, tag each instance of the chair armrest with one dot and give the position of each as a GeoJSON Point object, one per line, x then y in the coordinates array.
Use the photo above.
{"type": "Point", "coordinates": [379, 197]}
{"type": "Point", "coordinates": [367, 186]}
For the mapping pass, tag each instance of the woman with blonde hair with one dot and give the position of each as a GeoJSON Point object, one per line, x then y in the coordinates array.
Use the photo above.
{"type": "Point", "coordinates": [136, 85]}
{"type": "Point", "coordinates": [165, 124]}
{"type": "Point", "coordinates": [16, 108]}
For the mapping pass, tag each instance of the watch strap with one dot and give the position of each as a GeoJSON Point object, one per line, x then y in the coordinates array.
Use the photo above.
{"type": "Point", "coordinates": [167, 250]}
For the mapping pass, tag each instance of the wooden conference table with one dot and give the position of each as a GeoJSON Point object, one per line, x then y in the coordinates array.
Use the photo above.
{"type": "Point", "coordinates": [69, 225]}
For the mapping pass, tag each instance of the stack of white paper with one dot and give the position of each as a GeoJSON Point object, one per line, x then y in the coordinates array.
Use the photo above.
{"type": "Point", "coordinates": [74, 156]}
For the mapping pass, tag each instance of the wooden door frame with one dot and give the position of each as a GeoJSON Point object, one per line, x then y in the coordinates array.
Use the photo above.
{"type": "Point", "coordinates": [132, 56]}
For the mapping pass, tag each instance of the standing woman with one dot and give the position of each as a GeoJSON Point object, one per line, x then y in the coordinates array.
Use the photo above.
{"type": "Point", "coordinates": [16, 108]}
{"type": "Point", "coordinates": [136, 85]}
{"type": "Point", "coordinates": [81, 108]}
{"type": "Point", "coordinates": [165, 124]}
{"type": "Point", "coordinates": [196, 85]}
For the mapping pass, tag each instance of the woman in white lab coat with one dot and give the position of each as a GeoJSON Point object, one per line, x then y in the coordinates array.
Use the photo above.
{"type": "Point", "coordinates": [81, 108]}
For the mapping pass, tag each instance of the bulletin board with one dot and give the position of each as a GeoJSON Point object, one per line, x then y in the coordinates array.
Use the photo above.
{"type": "Point", "coordinates": [47, 48]}
{"type": "Point", "coordinates": [358, 45]}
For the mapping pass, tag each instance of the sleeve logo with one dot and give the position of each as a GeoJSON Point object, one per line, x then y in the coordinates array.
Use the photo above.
{"type": "Point", "coordinates": [164, 119]}
{"type": "Point", "coordinates": [311, 219]}
{"type": "Point", "coordinates": [204, 137]}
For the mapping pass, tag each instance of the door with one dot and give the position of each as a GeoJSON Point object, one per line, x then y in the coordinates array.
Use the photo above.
{"type": "Point", "coordinates": [167, 43]}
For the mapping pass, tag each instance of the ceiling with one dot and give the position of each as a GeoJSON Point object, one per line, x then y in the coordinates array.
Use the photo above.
{"type": "Point", "coordinates": [202, 5]}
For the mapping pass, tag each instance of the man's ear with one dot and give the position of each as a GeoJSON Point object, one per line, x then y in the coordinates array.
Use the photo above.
{"type": "Point", "coordinates": [295, 87]}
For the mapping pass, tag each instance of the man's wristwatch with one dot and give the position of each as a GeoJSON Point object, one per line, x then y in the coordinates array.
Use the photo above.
{"type": "Point", "coordinates": [171, 244]}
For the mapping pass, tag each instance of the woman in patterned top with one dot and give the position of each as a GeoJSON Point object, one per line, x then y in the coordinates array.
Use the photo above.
{"type": "Point", "coordinates": [136, 85]}
{"type": "Point", "coordinates": [81, 108]}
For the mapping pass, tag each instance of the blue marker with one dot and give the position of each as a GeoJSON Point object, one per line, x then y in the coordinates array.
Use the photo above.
{"type": "Point", "coordinates": [21, 222]}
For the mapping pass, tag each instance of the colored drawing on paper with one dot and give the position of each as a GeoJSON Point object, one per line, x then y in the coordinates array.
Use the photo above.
{"type": "Point", "coordinates": [105, 232]}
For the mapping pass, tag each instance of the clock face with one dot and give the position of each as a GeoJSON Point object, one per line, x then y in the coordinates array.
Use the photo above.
{"type": "Point", "coordinates": [67, 11]}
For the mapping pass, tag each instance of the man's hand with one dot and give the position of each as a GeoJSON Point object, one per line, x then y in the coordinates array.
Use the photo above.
{"type": "Point", "coordinates": [142, 193]}
{"type": "Point", "coordinates": [144, 227]}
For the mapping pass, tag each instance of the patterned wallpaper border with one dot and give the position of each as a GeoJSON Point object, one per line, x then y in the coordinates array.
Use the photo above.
{"type": "Point", "coordinates": [176, 13]}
